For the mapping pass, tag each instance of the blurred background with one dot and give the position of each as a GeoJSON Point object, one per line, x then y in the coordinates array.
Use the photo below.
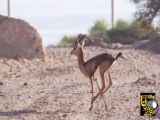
{"type": "Point", "coordinates": [56, 18]}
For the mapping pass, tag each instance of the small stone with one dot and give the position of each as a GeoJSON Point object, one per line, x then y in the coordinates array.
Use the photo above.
{"type": "Point", "coordinates": [1, 83]}
{"type": "Point", "coordinates": [64, 115]}
{"type": "Point", "coordinates": [25, 84]}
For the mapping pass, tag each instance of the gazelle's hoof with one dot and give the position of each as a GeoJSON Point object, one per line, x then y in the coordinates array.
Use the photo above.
{"type": "Point", "coordinates": [93, 99]}
{"type": "Point", "coordinates": [90, 107]}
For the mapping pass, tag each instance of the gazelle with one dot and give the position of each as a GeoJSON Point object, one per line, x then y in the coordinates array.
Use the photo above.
{"type": "Point", "coordinates": [88, 68]}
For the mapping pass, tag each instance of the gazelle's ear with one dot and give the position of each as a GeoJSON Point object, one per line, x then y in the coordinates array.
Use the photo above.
{"type": "Point", "coordinates": [78, 43]}
{"type": "Point", "coordinates": [83, 43]}
{"type": "Point", "coordinates": [81, 40]}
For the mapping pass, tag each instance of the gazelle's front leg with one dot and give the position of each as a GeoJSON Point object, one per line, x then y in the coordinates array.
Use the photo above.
{"type": "Point", "coordinates": [103, 97]}
{"type": "Point", "coordinates": [91, 81]}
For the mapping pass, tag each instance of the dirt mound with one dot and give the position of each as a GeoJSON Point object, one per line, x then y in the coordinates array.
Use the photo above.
{"type": "Point", "coordinates": [150, 45]}
{"type": "Point", "coordinates": [19, 39]}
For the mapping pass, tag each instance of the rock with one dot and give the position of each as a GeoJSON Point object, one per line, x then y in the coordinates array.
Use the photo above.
{"type": "Point", "coordinates": [1, 83]}
{"type": "Point", "coordinates": [19, 39]}
{"type": "Point", "coordinates": [150, 45]}
{"type": "Point", "coordinates": [25, 84]}
{"type": "Point", "coordinates": [144, 81]}
{"type": "Point", "coordinates": [64, 115]}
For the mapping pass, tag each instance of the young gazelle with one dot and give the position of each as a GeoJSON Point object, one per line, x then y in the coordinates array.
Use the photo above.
{"type": "Point", "coordinates": [88, 68]}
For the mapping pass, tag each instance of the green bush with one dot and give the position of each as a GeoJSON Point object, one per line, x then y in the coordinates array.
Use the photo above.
{"type": "Point", "coordinates": [122, 36]}
{"type": "Point", "coordinates": [66, 41]}
{"type": "Point", "coordinates": [123, 32]}
{"type": "Point", "coordinates": [99, 27]}
{"type": "Point", "coordinates": [120, 33]}
{"type": "Point", "coordinates": [97, 30]}
{"type": "Point", "coordinates": [126, 33]}
{"type": "Point", "coordinates": [121, 25]}
{"type": "Point", "coordinates": [140, 30]}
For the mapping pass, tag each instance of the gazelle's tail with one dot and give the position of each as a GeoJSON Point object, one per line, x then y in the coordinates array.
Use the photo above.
{"type": "Point", "coordinates": [118, 55]}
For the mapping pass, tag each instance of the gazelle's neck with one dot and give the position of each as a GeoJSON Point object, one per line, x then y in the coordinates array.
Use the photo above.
{"type": "Point", "coordinates": [81, 58]}
{"type": "Point", "coordinates": [81, 63]}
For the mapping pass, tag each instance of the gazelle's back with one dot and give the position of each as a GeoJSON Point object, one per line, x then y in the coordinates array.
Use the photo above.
{"type": "Point", "coordinates": [92, 64]}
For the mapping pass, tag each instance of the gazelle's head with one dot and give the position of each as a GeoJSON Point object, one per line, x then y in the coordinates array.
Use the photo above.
{"type": "Point", "coordinates": [78, 45]}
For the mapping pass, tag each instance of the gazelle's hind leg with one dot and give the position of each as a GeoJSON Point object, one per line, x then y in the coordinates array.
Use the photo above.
{"type": "Point", "coordinates": [100, 90]}
{"type": "Point", "coordinates": [109, 83]}
{"type": "Point", "coordinates": [102, 69]}
{"type": "Point", "coordinates": [103, 97]}
{"type": "Point", "coordinates": [103, 86]}
{"type": "Point", "coordinates": [91, 80]}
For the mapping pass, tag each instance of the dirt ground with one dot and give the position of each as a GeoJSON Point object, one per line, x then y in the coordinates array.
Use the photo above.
{"type": "Point", "coordinates": [56, 89]}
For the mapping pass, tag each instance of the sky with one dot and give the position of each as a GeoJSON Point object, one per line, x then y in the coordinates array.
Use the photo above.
{"type": "Point", "coordinates": [56, 18]}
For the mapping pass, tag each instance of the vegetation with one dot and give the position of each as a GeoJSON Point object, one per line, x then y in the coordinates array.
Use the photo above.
{"type": "Point", "coordinates": [97, 30]}
{"type": "Point", "coordinates": [66, 41]}
{"type": "Point", "coordinates": [147, 10]}
{"type": "Point", "coordinates": [127, 33]}
{"type": "Point", "coordinates": [121, 25]}
{"type": "Point", "coordinates": [123, 32]}
{"type": "Point", "coordinates": [99, 27]}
